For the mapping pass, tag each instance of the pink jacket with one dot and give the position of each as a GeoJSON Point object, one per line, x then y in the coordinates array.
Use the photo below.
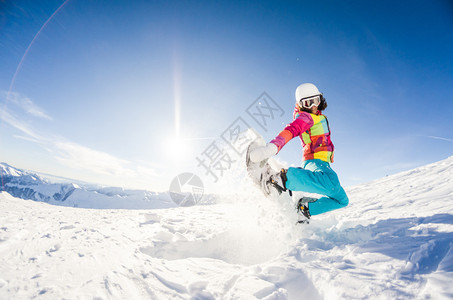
{"type": "Point", "coordinates": [314, 132]}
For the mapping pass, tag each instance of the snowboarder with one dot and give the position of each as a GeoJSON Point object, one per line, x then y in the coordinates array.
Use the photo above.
{"type": "Point", "coordinates": [315, 175]}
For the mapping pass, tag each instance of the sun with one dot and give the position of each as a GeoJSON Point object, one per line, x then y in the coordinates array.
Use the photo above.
{"type": "Point", "coordinates": [177, 147]}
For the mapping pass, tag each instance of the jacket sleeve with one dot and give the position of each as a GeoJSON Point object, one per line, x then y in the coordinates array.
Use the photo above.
{"type": "Point", "coordinates": [302, 123]}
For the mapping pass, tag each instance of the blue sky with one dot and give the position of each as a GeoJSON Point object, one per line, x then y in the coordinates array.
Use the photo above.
{"type": "Point", "coordinates": [101, 90]}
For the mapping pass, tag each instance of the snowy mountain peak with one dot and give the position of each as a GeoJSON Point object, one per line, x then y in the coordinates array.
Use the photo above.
{"type": "Point", "coordinates": [7, 170]}
{"type": "Point", "coordinates": [30, 186]}
{"type": "Point", "coordinates": [11, 174]}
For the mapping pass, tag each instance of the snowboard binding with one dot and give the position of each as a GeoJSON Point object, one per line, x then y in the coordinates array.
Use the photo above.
{"type": "Point", "coordinates": [303, 211]}
{"type": "Point", "coordinates": [278, 181]}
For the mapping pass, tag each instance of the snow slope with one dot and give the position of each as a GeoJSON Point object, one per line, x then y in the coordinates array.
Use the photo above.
{"type": "Point", "coordinates": [394, 241]}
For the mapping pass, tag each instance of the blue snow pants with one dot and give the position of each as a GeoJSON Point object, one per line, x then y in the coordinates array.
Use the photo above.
{"type": "Point", "coordinates": [316, 176]}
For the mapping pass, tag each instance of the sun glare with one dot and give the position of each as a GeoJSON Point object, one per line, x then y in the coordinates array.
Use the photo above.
{"type": "Point", "coordinates": [176, 148]}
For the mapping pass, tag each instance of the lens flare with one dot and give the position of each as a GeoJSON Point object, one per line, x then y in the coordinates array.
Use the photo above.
{"type": "Point", "coordinates": [177, 93]}
{"type": "Point", "coordinates": [177, 148]}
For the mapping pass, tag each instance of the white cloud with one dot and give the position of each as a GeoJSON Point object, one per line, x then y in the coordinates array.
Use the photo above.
{"type": "Point", "coordinates": [81, 157]}
{"type": "Point", "coordinates": [109, 168]}
{"type": "Point", "coordinates": [440, 138]}
{"type": "Point", "coordinates": [94, 164]}
{"type": "Point", "coordinates": [27, 138]}
{"type": "Point", "coordinates": [20, 125]}
{"type": "Point", "coordinates": [27, 105]}
{"type": "Point", "coordinates": [146, 171]}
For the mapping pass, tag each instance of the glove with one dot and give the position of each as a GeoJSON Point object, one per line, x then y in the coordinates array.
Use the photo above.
{"type": "Point", "coordinates": [262, 153]}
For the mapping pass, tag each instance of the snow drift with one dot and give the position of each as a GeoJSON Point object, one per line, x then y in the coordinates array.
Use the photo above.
{"type": "Point", "coordinates": [393, 241]}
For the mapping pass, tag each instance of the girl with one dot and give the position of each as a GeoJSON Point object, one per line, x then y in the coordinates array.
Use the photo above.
{"type": "Point", "coordinates": [315, 175]}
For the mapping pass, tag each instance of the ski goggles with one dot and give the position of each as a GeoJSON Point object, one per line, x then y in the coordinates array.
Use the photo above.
{"type": "Point", "coordinates": [309, 102]}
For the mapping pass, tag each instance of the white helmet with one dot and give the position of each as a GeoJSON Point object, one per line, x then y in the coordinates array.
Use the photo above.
{"type": "Point", "coordinates": [306, 90]}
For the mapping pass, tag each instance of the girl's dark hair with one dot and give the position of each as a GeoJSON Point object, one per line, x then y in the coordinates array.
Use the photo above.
{"type": "Point", "coordinates": [323, 105]}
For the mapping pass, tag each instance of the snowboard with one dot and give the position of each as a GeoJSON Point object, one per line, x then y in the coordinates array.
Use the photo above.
{"type": "Point", "coordinates": [256, 170]}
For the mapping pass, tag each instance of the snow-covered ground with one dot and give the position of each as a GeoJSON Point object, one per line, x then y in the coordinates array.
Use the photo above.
{"type": "Point", "coordinates": [394, 241]}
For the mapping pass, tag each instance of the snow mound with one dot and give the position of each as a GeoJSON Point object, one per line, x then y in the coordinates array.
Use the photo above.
{"type": "Point", "coordinates": [394, 241]}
